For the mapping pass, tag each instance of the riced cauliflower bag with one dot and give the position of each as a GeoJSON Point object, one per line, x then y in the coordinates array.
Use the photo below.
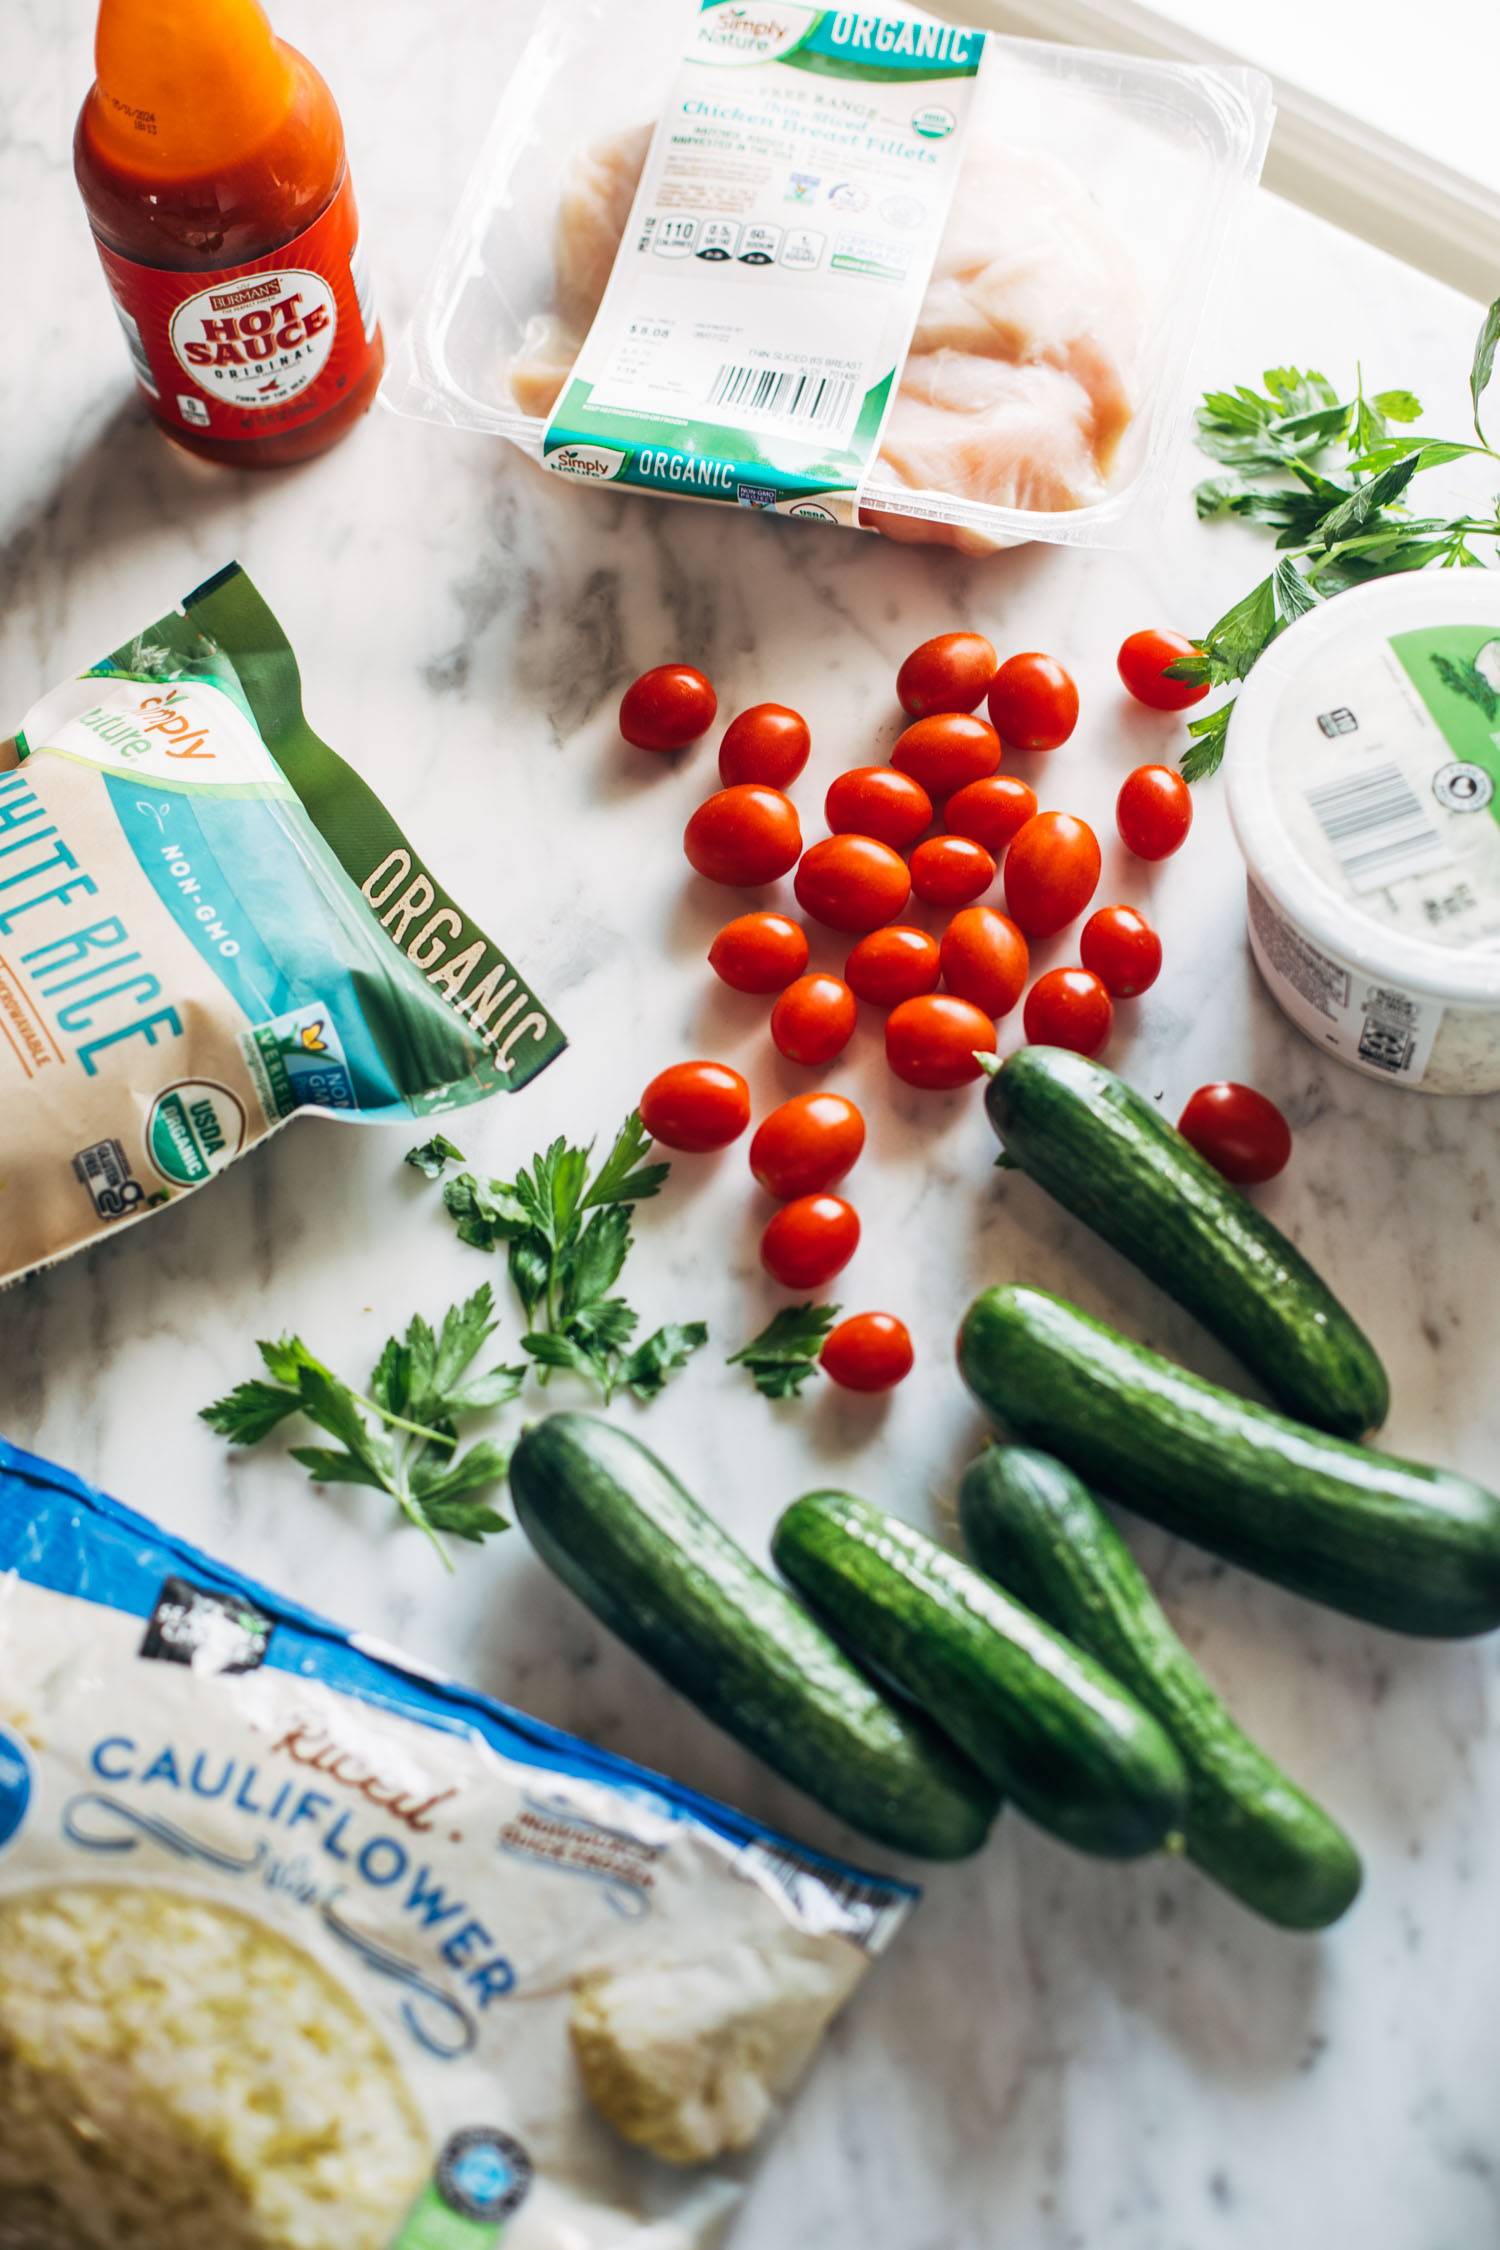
{"type": "Point", "coordinates": [304, 1949]}
{"type": "Point", "coordinates": [208, 923]}
{"type": "Point", "coordinates": [864, 268]}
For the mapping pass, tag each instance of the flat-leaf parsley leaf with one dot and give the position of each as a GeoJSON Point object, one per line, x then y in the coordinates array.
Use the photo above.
{"type": "Point", "coordinates": [1336, 531]}
{"type": "Point", "coordinates": [567, 1235]}
{"type": "Point", "coordinates": [785, 1353]}
{"type": "Point", "coordinates": [421, 1386]}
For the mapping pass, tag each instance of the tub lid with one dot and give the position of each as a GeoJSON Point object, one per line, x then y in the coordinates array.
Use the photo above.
{"type": "Point", "coordinates": [1364, 779]}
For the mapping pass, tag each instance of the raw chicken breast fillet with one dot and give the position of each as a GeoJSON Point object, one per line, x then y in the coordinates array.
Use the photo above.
{"type": "Point", "coordinates": [597, 194]}
{"type": "Point", "coordinates": [1019, 382]}
{"type": "Point", "coordinates": [598, 190]}
{"type": "Point", "coordinates": [1030, 271]}
{"type": "Point", "coordinates": [1011, 436]}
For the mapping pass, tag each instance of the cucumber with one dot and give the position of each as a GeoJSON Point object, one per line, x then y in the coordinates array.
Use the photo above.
{"type": "Point", "coordinates": [1029, 1523]}
{"type": "Point", "coordinates": [1397, 1544]}
{"type": "Point", "coordinates": [618, 1528]}
{"type": "Point", "coordinates": [1074, 1749]}
{"type": "Point", "coordinates": [1112, 1159]}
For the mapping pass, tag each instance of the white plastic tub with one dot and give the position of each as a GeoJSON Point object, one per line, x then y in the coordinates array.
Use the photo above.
{"type": "Point", "coordinates": [1166, 151]}
{"type": "Point", "coordinates": [1364, 788]}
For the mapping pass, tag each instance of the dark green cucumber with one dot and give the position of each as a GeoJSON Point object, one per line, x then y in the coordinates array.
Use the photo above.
{"type": "Point", "coordinates": [1074, 1749]}
{"type": "Point", "coordinates": [618, 1528]}
{"type": "Point", "coordinates": [1031, 1525]}
{"type": "Point", "coordinates": [1110, 1157]}
{"type": "Point", "coordinates": [1390, 1541]}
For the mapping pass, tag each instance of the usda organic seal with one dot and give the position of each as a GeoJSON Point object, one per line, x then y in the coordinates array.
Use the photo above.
{"type": "Point", "coordinates": [195, 1128]}
{"type": "Point", "coordinates": [934, 122]}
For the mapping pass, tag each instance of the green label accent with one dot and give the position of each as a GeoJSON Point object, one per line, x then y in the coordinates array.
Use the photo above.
{"type": "Point", "coordinates": [851, 43]}
{"type": "Point", "coordinates": [686, 471]}
{"type": "Point", "coordinates": [481, 996]}
{"type": "Point", "coordinates": [699, 460]}
{"type": "Point", "coordinates": [264, 1053]}
{"type": "Point", "coordinates": [833, 62]}
{"type": "Point", "coordinates": [866, 265]}
{"type": "Point", "coordinates": [175, 1147]}
{"type": "Point", "coordinates": [1456, 671]}
{"type": "Point", "coordinates": [481, 2178]}
{"type": "Point", "coordinates": [433, 2224]}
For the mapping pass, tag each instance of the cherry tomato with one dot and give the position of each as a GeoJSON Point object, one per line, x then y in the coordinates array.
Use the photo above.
{"type": "Point", "coordinates": [1242, 1133]}
{"type": "Point", "coordinates": [808, 1144]}
{"type": "Point", "coordinates": [1143, 660]}
{"type": "Point", "coordinates": [1153, 812]}
{"type": "Point", "coordinates": [1033, 702]}
{"type": "Point", "coordinates": [807, 1242]}
{"type": "Point", "coordinates": [1068, 1008]}
{"type": "Point", "coordinates": [878, 801]}
{"type": "Point", "coordinates": [947, 750]}
{"type": "Point", "coordinates": [852, 882]}
{"type": "Point", "coordinates": [932, 1042]}
{"type": "Point", "coordinates": [667, 708]}
{"type": "Point", "coordinates": [896, 963]}
{"type": "Point", "coordinates": [950, 870]}
{"type": "Point", "coordinates": [985, 959]}
{"type": "Point", "coordinates": [814, 1019]}
{"type": "Point", "coordinates": [759, 952]}
{"type": "Point", "coordinates": [1051, 872]}
{"type": "Point", "coordinates": [949, 673]}
{"type": "Point", "coordinates": [767, 743]}
{"type": "Point", "coordinates": [1122, 949]}
{"type": "Point", "coordinates": [744, 836]}
{"type": "Point", "coordinates": [990, 810]}
{"type": "Point", "coordinates": [869, 1352]}
{"type": "Point", "coordinates": [696, 1106]}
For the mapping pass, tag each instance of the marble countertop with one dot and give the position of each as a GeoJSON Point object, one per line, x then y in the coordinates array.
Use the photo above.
{"type": "Point", "coordinates": [1060, 2055]}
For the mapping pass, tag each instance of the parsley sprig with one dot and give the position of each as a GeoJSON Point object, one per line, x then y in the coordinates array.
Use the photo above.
{"type": "Point", "coordinates": [421, 1387]}
{"type": "Point", "coordinates": [567, 1235]}
{"type": "Point", "coordinates": [785, 1353]}
{"type": "Point", "coordinates": [1338, 523]}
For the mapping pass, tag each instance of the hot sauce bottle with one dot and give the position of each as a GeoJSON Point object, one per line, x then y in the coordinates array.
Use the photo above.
{"type": "Point", "coordinates": [211, 160]}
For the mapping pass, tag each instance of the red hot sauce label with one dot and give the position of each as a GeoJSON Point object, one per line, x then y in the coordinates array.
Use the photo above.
{"type": "Point", "coordinates": [252, 350]}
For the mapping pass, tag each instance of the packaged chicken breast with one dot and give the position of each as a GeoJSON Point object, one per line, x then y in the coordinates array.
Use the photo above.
{"type": "Point", "coordinates": [882, 271]}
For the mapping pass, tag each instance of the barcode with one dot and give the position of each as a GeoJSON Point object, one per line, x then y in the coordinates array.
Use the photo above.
{"type": "Point", "coordinates": [1377, 826]}
{"type": "Point", "coordinates": [364, 288]}
{"type": "Point", "coordinates": [137, 351]}
{"type": "Point", "coordinates": [825, 1899]}
{"type": "Point", "coordinates": [784, 394]}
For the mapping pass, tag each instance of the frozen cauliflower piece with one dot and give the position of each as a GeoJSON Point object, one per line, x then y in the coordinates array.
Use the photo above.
{"type": "Point", "coordinates": [689, 2058]}
{"type": "Point", "coordinates": [175, 2074]}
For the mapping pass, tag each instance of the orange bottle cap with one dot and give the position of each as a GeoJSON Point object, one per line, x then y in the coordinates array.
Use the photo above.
{"type": "Point", "coordinates": [187, 86]}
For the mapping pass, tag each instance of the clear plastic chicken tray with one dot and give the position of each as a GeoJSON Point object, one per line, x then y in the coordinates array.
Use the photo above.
{"type": "Point", "coordinates": [1102, 191]}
